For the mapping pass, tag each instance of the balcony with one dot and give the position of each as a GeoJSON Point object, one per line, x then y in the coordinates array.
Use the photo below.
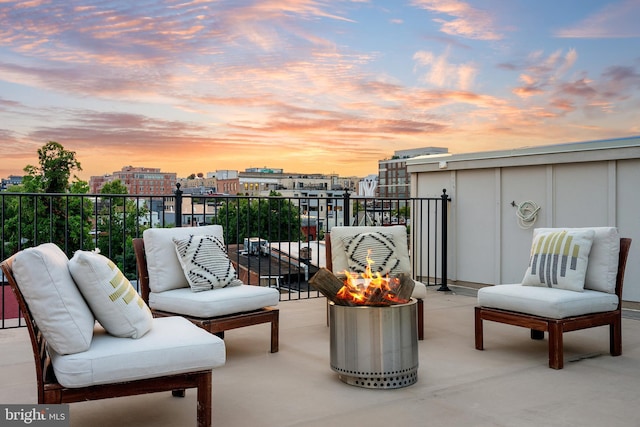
{"type": "Point", "coordinates": [507, 384]}
{"type": "Point", "coordinates": [110, 222]}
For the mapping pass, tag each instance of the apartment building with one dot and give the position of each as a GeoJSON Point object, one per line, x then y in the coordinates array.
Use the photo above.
{"type": "Point", "coordinates": [138, 180]}
{"type": "Point", "coordinates": [393, 179]}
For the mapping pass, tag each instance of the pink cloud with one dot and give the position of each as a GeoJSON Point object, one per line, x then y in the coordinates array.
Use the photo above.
{"type": "Point", "coordinates": [466, 21]}
{"type": "Point", "coordinates": [615, 20]}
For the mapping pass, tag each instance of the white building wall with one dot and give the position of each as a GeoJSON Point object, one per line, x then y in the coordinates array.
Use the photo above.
{"type": "Point", "coordinates": [575, 185]}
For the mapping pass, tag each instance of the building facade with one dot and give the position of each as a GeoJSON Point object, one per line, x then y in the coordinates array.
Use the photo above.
{"type": "Point", "coordinates": [584, 184]}
{"type": "Point", "coordinates": [138, 180]}
{"type": "Point", "coordinates": [11, 180]}
{"type": "Point", "coordinates": [393, 179]}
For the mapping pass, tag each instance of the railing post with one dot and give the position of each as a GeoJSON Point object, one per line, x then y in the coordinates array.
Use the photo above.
{"type": "Point", "coordinates": [178, 194]}
{"type": "Point", "coordinates": [347, 203]}
{"type": "Point", "coordinates": [443, 286]}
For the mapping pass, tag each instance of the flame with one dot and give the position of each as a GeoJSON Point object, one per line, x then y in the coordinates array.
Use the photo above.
{"type": "Point", "coordinates": [369, 288]}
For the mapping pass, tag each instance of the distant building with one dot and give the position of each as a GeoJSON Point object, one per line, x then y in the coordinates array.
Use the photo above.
{"type": "Point", "coordinates": [219, 182]}
{"type": "Point", "coordinates": [138, 180]}
{"type": "Point", "coordinates": [262, 181]}
{"type": "Point", "coordinates": [228, 182]}
{"type": "Point", "coordinates": [393, 179]}
{"type": "Point", "coordinates": [8, 182]}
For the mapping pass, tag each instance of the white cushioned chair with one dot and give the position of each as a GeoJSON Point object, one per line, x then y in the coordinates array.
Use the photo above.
{"type": "Point", "coordinates": [77, 359]}
{"type": "Point", "coordinates": [555, 297]}
{"type": "Point", "coordinates": [166, 287]}
{"type": "Point", "coordinates": [347, 247]}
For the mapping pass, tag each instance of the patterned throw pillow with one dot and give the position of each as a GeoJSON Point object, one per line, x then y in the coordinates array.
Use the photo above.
{"type": "Point", "coordinates": [380, 248]}
{"type": "Point", "coordinates": [114, 301]}
{"type": "Point", "coordinates": [205, 263]}
{"type": "Point", "coordinates": [559, 259]}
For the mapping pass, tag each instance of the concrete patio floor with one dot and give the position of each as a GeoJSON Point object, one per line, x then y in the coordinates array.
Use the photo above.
{"type": "Point", "coordinates": [508, 384]}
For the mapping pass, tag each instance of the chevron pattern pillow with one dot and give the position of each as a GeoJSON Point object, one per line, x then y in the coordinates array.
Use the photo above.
{"type": "Point", "coordinates": [380, 248]}
{"type": "Point", "coordinates": [559, 259]}
{"type": "Point", "coordinates": [205, 263]}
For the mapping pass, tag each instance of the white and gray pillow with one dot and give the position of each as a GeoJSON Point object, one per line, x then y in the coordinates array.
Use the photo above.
{"type": "Point", "coordinates": [559, 259]}
{"type": "Point", "coordinates": [379, 247]}
{"type": "Point", "coordinates": [205, 262]}
{"type": "Point", "coordinates": [114, 301]}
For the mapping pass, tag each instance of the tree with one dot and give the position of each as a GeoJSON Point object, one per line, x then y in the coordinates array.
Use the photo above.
{"type": "Point", "coordinates": [275, 219]}
{"type": "Point", "coordinates": [54, 217]}
{"type": "Point", "coordinates": [118, 223]}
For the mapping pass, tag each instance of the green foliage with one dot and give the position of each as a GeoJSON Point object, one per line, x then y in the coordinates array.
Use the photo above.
{"type": "Point", "coordinates": [275, 219]}
{"type": "Point", "coordinates": [55, 217]}
{"type": "Point", "coordinates": [56, 165]}
{"type": "Point", "coordinates": [118, 222]}
{"type": "Point", "coordinates": [403, 212]}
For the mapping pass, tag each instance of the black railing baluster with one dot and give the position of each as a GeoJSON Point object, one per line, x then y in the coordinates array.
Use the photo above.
{"type": "Point", "coordinates": [443, 257]}
{"type": "Point", "coordinates": [29, 219]}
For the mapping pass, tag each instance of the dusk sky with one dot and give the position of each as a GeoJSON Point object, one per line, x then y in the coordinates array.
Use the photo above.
{"type": "Point", "coordinates": [308, 85]}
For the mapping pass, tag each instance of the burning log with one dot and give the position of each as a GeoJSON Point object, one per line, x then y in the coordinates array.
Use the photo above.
{"type": "Point", "coordinates": [404, 288]}
{"type": "Point", "coordinates": [328, 285]}
{"type": "Point", "coordinates": [365, 290]}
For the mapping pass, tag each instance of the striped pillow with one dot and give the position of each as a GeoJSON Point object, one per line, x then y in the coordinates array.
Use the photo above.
{"type": "Point", "coordinates": [112, 298]}
{"type": "Point", "coordinates": [205, 263]}
{"type": "Point", "coordinates": [559, 259]}
{"type": "Point", "coordinates": [380, 247]}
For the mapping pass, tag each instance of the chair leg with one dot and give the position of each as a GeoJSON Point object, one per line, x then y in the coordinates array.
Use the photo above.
{"type": "Point", "coordinates": [421, 319]}
{"type": "Point", "coordinates": [479, 332]}
{"type": "Point", "coordinates": [204, 400]}
{"type": "Point", "coordinates": [615, 337]}
{"type": "Point", "coordinates": [537, 335]}
{"type": "Point", "coordinates": [275, 327]}
{"type": "Point", "coordinates": [556, 351]}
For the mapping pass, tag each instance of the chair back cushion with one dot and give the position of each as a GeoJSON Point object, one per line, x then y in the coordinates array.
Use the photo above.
{"type": "Point", "coordinates": [165, 271]}
{"type": "Point", "coordinates": [559, 259]}
{"type": "Point", "coordinates": [388, 245]}
{"type": "Point", "coordinates": [602, 268]}
{"type": "Point", "coordinates": [55, 302]}
{"type": "Point", "coordinates": [114, 301]}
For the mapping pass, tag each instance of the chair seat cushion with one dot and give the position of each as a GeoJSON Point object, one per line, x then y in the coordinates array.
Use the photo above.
{"type": "Point", "coordinates": [419, 290]}
{"type": "Point", "coordinates": [213, 303]}
{"type": "Point", "coordinates": [172, 346]}
{"type": "Point", "coordinates": [546, 302]}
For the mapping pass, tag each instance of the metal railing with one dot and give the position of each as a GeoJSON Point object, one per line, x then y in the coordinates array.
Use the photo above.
{"type": "Point", "coordinates": [277, 241]}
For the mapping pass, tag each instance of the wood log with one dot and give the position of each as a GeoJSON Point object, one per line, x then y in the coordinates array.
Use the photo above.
{"type": "Point", "coordinates": [328, 284]}
{"type": "Point", "coordinates": [404, 288]}
{"type": "Point", "coordinates": [325, 282]}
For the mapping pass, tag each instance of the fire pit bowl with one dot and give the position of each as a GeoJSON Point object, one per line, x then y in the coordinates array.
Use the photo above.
{"type": "Point", "coordinates": [375, 346]}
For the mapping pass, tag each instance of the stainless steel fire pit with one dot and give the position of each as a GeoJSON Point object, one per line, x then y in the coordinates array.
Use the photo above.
{"type": "Point", "coordinates": [375, 347]}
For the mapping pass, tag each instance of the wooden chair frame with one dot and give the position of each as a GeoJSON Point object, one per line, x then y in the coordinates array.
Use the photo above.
{"type": "Point", "coordinates": [52, 392]}
{"type": "Point", "coordinates": [556, 327]}
{"type": "Point", "coordinates": [329, 265]}
{"type": "Point", "coordinates": [215, 325]}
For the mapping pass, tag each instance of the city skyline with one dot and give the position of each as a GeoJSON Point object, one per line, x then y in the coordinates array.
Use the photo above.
{"type": "Point", "coordinates": [309, 85]}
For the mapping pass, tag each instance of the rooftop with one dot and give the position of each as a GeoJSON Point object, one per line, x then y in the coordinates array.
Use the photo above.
{"type": "Point", "coordinates": [507, 384]}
